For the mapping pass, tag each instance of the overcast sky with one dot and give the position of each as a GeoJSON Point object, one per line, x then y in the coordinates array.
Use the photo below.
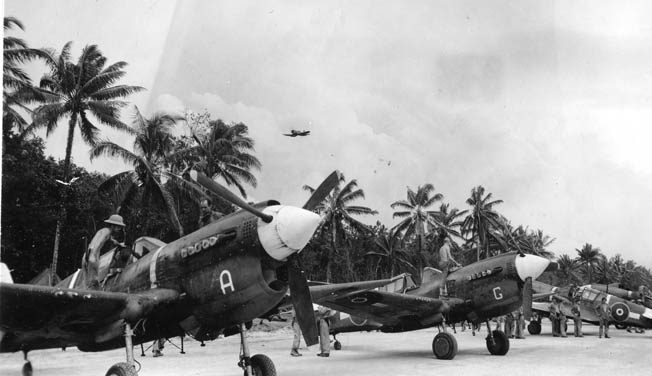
{"type": "Point", "coordinates": [547, 104]}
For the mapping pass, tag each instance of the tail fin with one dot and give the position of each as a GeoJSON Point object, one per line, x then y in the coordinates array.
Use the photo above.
{"type": "Point", "coordinates": [5, 274]}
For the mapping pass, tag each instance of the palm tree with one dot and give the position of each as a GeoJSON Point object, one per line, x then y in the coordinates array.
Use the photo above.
{"type": "Point", "coordinates": [605, 271]}
{"type": "Point", "coordinates": [16, 83]}
{"type": "Point", "coordinates": [336, 211]}
{"type": "Point", "coordinates": [532, 242]}
{"type": "Point", "coordinates": [77, 90]}
{"type": "Point", "coordinates": [224, 152]}
{"type": "Point", "coordinates": [482, 219]}
{"type": "Point", "coordinates": [417, 219]}
{"type": "Point", "coordinates": [449, 219]}
{"type": "Point", "coordinates": [567, 269]}
{"type": "Point", "coordinates": [152, 145]}
{"type": "Point", "coordinates": [588, 257]}
{"type": "Point", "coordinates": [389, 252]}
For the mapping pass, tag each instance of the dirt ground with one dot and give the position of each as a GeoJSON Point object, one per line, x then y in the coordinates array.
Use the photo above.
{"type": "Point", "coordinates": [372, 354]}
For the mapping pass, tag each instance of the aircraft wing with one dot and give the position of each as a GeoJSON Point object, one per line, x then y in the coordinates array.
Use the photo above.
{"type": "Point", "coordinates": [382, 306]}
{"type": "Point", "coordinates": [37, 312]}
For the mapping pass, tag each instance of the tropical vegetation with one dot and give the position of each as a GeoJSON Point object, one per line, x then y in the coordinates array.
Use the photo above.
{"type": "Point", "coordinates": [156, 200]}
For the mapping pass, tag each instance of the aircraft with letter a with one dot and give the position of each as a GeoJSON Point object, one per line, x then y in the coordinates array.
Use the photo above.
{"type": "Point", "coordinates": [476, 293]}
{"type": "Point", "coordinates": [215, 279]}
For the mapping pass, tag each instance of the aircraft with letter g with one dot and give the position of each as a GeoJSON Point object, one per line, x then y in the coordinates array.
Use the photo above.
{"type": "Point", "coordinates": [476, 293]}
{"type": "Point", "coordinates": [215, 279]}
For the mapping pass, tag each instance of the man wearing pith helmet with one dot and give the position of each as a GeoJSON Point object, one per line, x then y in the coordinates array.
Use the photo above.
{"type": "Point", "coordinates": [104, 240]}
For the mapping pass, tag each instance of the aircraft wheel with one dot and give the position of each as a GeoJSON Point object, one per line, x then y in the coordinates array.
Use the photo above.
{"type": "Point", "coordinates": [337, 345]}
{"type": "Point", "coordinates": [534, 328]}
{"type": "Point", "coordinates": [500, 344]}
{"type": "Point", "coordinates": [122, 369]}
{"type": "Point", "coordinates": [262, 365]}
{"type": "Point", "coordinates": [444, 346]}
{"type": "Point", "coordinates": [27, 369]}
{"type": "Point", "coordinates": [620, 326]}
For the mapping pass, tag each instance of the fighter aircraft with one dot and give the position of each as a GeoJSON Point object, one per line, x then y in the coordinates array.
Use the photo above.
{"type": "Point", "coordinates": [295, 133]}
{"type": "Point", "coordinates": [623, 313]}
{"type": "Point", "coordinates": [215, 279]}
{"type": "Point", "coordinates": [643, 298]}
{"type": "Point", "coordinates": [476, 293]}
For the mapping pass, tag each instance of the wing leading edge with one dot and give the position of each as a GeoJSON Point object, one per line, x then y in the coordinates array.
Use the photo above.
{"type": "Point", "coordinates": [57, 315]}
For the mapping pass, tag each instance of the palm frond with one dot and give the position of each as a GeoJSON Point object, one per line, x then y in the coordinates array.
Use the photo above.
{"type": "Point", "coordinates": [110, 149]}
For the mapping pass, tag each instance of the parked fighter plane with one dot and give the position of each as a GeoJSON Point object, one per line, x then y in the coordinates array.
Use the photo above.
{"type": "Point", "coordinates": [623, 313]}
{"type": "Point", "coordinates": [476, 293]}
{"type": "Point", "coordinates": [216, 278]}
{"type": "Point", "coordinates": [295, 133]}
{"type": "Point", "coordinates": [642, 296]}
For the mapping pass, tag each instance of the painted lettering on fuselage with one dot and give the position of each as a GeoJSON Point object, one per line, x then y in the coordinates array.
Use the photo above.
{"type": "Point", "coordinates": [498, 294]}
{"type": "Point", "coordinates": [226, 281]}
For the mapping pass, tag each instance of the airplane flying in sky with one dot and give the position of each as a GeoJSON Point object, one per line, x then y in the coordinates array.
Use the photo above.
{"type": "Point", "coordinates": [213, 280]}
{"type": "Point", "coordinates": [475, 293]}
{"type": "Point", "coordinates": [295, 133]}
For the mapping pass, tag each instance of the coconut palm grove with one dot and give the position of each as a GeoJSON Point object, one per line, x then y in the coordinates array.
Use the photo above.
{"type": "Point", "coordinates": [51, 208]}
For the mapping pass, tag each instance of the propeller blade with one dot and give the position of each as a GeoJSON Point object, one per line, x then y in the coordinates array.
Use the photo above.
{"type": "Point", "coordinates": [219, 190]}
{"type": "Point", "coordinates": [527, 299]}
{"type": "Point", "coordinates": [322, 191]}
{"type": "Point", "coordinates": [302, 301]}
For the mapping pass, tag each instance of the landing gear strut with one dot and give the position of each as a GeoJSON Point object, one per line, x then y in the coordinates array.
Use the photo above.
{"type": "Point", "coordinates": [27, 367]}
{"type": "Point", "coordinates": [125, 368]}
{"type": "Point", "coordinates": [257, 365]}
{"type": "Point", "coordinates": [497, 341]}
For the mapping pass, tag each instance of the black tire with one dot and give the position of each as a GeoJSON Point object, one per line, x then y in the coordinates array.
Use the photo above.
{"type": "Point", "coordinates": [444, 346]}
{"type": "Point", "coordinates": [337, 345]}
{"type": "Point", "coordinates": [500, 343]}
{"type": "Point", "coordinates": [262, 365]}
{"type": "Point", "coordinates": [122, 369]}
{"type": "Point", "coordinates": [620, 326]}
{"type": "Point", "coordinates": [534, 328]}
{"type": "Point", "coordinates": [27, 369]}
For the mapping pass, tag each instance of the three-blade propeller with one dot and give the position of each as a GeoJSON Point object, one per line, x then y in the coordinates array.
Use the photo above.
{"type": "Point", "coordinates": [299, 291]}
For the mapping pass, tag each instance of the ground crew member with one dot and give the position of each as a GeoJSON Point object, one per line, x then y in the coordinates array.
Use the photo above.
{"type": "Point", "coordinates": [554, 318]}
{"type": "Point", "coordinates": [519, 321]}
{"type": "Point", "coordinates": [561, 317]}
{"type": "Point", "coordinates": [157, 347]}
{"type": "Point", "coordinates": [446, 260]}
{"type": "Point", "coordinates": [104, 240]}
{"type": "Point", "coordinates": [602, 310]}
{"type": "Point", "coordinates": [323, 315]}
{"type": "Point", "coordinates": [207, 215]}
{"type": "Point", "coordinates": [296, 341]}
{"type": "Point", "coordinates": [509, 325]}
{"type": "Point", "coordinates": [577, 318]}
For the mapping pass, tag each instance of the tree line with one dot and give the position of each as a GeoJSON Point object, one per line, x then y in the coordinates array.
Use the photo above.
{"type": "Point", "coordinates": [49, 205]}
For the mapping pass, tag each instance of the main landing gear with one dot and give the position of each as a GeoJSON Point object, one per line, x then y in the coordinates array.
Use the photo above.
{"type": "Point", "coordinates": [444, 345]}
{"type": "Point", "coordinates": [534, 327]}
{"type": "Point", "coordinates": [257, 365]}
{"type": "Point", "coordinates": [127, 368]}
{"type": "Point", "coordinates": [497, 341]}
{"type": "Point", "coordinates": [27, 367]}
{"type": "Point", "coordinates": [337, 345]}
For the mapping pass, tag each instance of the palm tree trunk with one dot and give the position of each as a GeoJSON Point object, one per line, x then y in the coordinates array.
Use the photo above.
{"type": "Point", "coordinates": [64, 198]}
